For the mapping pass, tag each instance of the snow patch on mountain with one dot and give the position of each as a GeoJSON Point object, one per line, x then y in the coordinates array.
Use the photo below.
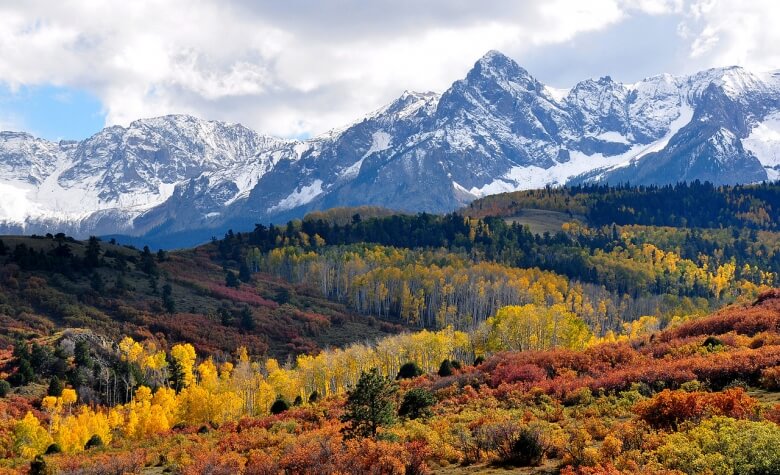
{"type": "Point", "coordinates": [723, 142]}
{"type": "Point", "coordinates": [764, 143]}
{"type": "Point", "coordinates": [381, 141]}
{"type": "Point", "coordinates": [579, 163]}
{"type": "Point", "coordinates": [559, 94]}
{"type": "Point", "coordinates": [300, 196]}
{"type": "Point", "coordinates": [613, 137]}
{"type": "Point", "coordinates": [683, 118]}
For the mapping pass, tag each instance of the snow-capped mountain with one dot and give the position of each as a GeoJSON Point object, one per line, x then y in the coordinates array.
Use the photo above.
{"type": "Point", "coordinates": [102, 184]}
{"type": "Point", "coordinates": [498, 129]}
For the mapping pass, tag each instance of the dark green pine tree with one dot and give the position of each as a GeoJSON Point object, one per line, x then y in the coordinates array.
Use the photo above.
{"type": "Point", "coordinates": [167, 299]}
{"type": "Point", "coordinates": [243, 273]}
{"type": "Point", "coordinates": [409, 370]}
{"type": "Point", "coordinates": [97, 283]}
{"type": "Point", "coordinates": [247, 319]}
{"type": "Point", "coordinates": [231, 280]}
{"type": "Point", "coordinates": [279, 406]}
{"type": "Point", "coordinates": [446, 368]}
{"type": "Point", "coordinates": [148, 264]}
{"type": "Point", "coordinates": [417, 403]}
{"type": "Point", "coordinates": [92, 254]}
{"type": "Point", "coordinates": [55, 387]}
{"type": "Point", "coordinates": [370, 405]}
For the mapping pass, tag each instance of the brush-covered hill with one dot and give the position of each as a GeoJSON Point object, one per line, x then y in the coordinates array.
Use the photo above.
{"type": "Point", "coordinates": [53, 283]}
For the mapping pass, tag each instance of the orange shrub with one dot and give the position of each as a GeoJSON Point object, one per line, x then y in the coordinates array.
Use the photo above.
{"type": "Point", "coordinates": [770, 378]}
{"type": "Point", "coordinates": [119, 463]}
{"type": "Point", "coordinates": [668, 409]}
{"type": "Point", "coordinates": [212, 462]}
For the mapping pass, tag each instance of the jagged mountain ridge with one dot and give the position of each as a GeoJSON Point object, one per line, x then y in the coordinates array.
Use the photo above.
{"type": "Point", "coordinates": [498, 129]}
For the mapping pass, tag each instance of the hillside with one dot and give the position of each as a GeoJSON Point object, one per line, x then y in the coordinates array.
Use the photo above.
{"type": "Point", "coordinates": [684, 205]}
{"type": "Point", "coordinates": [545, 348]}
{"type": "Point", "coordinates": [702, 393]}
{"type": "Point", "coordinates": [49, 284]}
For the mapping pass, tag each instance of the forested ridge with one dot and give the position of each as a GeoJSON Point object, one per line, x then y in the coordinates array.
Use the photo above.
{"type": "Point", "coordinates": [360, 340]}
{"type": "Point", "coordinates": [693, 205]}
{"type": "Point", "coordinates": [406, 266]}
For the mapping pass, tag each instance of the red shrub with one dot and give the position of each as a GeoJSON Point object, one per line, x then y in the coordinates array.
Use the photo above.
{"type": "Point", "coordinates": [370, 457]}
{"type": "Point", "coordinates": [215, 463]}
{"type": "Point", "coordinates": [594, 361]}
{"type": "Point", "coordinates": [763, 316]}
{"type": "Point", "coordinates": [773, 414]}
{"type": "Point", "coordinates": [102, 464]}
{"type": "Point", "coordinates": [203, 333]}
{"type": "Point", "coordinates": [668, 409]}
{"type": "Point", "coordinates": [239, 295]}
{"type": "Point", "coordinates": [260, 463]}
{"type": "Point", "coordinates": [523, 373]}
{"type": "Point", "coordinates": [607, 469]}
{"type": "Point", "coordinates": [770, 378]}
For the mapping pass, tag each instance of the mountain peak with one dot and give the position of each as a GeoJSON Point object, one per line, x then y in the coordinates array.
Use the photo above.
{"type": "Point", "coordinates": [735, 81]}
{"type": "Point", "coordinates": [169, 119]}
{"type": "Point", "coordinates": [498, 65]}
{"type": "Point", "coordinates": [416, 95]}
{"type": "Point", "coordinates": [494, 55]}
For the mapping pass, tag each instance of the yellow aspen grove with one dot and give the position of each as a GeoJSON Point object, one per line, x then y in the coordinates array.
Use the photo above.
{"type": "Point", "coordinates": [130, 350]}
{"type": "Point", "coordinates": [30, 439]}
{"type": "Point", "coordinates": [76, 430]}
{"type": "Point", "coordinates": [532, 327]}
{"type": "Point", "coordinates": [69, 397]}
{"type": "Point", "coordinates": [184, 357]}
{"type": "Point", "coordinates": [643, 326]}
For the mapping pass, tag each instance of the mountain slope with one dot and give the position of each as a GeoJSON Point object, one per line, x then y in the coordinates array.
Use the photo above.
{"type": "Point", "coordinates": [101, 184]}
{"type": "Point", "coordinates": [499, 129]}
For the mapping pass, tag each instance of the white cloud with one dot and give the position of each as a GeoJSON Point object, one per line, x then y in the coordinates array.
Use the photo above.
{"type": "Point", "coordinates": [292, 68]}
{"type": "Point", "coordinates": [10, 122]}
{"type": "Point", "coordinates": [728, 32]}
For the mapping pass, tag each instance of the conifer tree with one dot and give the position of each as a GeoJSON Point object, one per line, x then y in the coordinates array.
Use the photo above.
{"type": "Point", "coordinates": [371, 404]}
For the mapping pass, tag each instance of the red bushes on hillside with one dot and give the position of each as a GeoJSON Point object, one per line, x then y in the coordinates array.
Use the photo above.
{"type": "Point", "coordinates": [521, 373]}
{"type": "Point", "coordinates": [658, 362]}
{"type": "Point", "coordinates": [764, 316]}
{"type": "Point", "coordinates": [204, 334]}
{"type": "Point", "coordinates": [239, 295]}
{"type": "Point", "coordinates": [668, 409]}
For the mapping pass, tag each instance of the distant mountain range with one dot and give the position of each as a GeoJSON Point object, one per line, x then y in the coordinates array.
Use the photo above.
{"type": "Point", "coordinates": [176, 180]}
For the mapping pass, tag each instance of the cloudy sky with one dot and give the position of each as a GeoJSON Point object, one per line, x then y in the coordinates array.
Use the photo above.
{"type": "Point", "coordinates": [296, 68]}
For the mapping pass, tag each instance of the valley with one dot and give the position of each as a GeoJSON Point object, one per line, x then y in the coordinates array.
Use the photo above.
{"type": "Point", "coordinates": [602, 341]}
{"type": "Point", "coordinates": [390, 238]}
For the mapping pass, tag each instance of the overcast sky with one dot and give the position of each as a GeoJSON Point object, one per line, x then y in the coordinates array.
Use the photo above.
{"type": "Point", "coordinates": [297, 68]}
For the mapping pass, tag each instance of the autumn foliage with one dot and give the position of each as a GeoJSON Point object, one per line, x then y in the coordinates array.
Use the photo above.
{"type": "Point", "coordinates": [654, 403]}
{"type": "Point", "coordinates": [668, 409]}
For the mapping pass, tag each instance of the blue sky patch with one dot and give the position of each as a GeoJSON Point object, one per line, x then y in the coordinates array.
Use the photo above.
{"type": "Point", "coordinates": [51, 112]}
